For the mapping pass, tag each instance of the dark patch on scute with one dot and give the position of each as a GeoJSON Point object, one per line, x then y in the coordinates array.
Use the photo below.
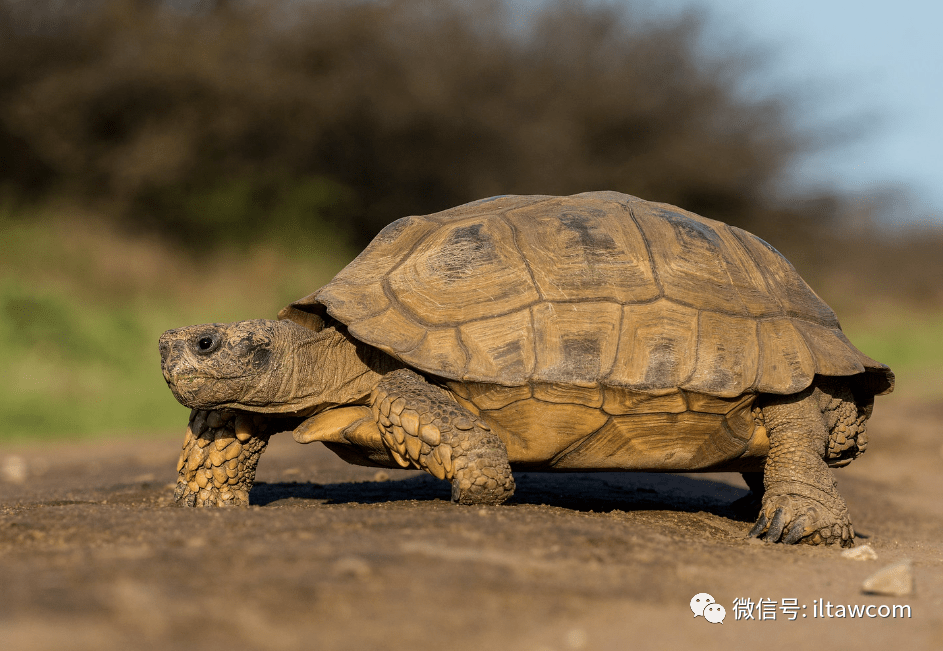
{"type": "Point", "coordinates": [719, 381]}
{"type": "Point", "coordinates": [509, 351]}
{"type": "Point", "coordinates": [588, 233]}
{"type": "Point", "coordinates": [467, 248]}
{"type": "Point", "coordinates": [662, 363]}
{"type": "Point", "coordinates": [690, 229]}
{"type": "Point", "coordinates": [582, 354]}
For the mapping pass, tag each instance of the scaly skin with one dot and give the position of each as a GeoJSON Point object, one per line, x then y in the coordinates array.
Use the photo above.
{"type": "Point", "coordinates": [422, 425]}
{"type": "Point", "coordinates": [801, 501]}
{"type": "Point", "coordinates": [219, 457]}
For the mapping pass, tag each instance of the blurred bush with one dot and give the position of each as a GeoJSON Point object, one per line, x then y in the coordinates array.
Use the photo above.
{"type": "Point", "coordinates": [216, 121]}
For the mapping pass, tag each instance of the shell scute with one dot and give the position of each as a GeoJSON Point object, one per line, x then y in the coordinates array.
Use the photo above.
{"type": "Point", "coordinates": [575, 342]}
{"type": "Point", "coordinates": [791, 365]}
{"type": "Point", "coordinates": [501, 348]}
{"type": "Point", "coordinates": [585, 252]}
{"type": "Point", "coordinates": [796, 297]}
{"type": "Point", "coordinates": [655, 441]}
{"type": "Point", "coordinates": [690, 258]}
{"type": "Point", "coordinates": [655, 346]}
{"type": "Point", "coordinates": [465, 270]}
{"type": "Point", "coordinates": [726, 356]}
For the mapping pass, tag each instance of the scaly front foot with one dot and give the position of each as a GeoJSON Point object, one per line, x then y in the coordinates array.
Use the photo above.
{"type": "Point", "coordinates": [422, 425]}
{"type": "Point", "coordinates": [219, 458]}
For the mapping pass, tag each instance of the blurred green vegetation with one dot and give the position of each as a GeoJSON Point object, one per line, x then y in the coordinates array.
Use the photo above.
{"type": "Point", "coordinates": [168, 163]}
{"type": "Point", "coordinates": [82, 305]}
{"type": "Point", "coordinates": [909, 341]}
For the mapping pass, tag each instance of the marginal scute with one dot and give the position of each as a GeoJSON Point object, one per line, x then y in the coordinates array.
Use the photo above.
{"type": "Point", "coordinates": [591, 396]}
{"type": "Point", "coordinates": [558, 425]}
{"type": "Point", "coordinates": [833, 353]}
{"type": "Point", "coordinates": [708, 404]}
{"type": "Point", "coordinates": [399, 332]}
{"type": "Point", "coordinates": [620, 401]}
{"type": "Point", "coordinates": [686, 441]}
{"type": "Point", "coordinates": [440, 351]}
{"type": "Point", "coordinates": [485, 395]}
{"type": "Point", "coordinates": [350, 304]}
{"type": "Point", "coordinates": [302, 316]}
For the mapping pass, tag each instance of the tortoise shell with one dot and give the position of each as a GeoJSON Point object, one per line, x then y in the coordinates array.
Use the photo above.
{"type": "Point", "coordinates": [597, 330]}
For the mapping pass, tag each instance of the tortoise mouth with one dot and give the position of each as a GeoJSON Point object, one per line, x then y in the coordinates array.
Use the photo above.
{"type": "Point", "coordinates": [187, 389]}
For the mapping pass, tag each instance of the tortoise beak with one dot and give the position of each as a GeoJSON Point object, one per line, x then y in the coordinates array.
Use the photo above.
{"type": "Point", "coordinates": [171, 354]}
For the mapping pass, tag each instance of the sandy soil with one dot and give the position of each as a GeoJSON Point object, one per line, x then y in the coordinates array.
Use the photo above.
{"type": "Point", "coordinates": [94, 556]}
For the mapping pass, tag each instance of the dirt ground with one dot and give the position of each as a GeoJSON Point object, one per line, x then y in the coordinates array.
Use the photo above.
{"type": "Point", "coordinates": [94, 556]}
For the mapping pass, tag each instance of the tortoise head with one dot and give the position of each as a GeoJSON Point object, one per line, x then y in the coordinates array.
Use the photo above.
{"type": "Point", "coordinates": [259, 365]}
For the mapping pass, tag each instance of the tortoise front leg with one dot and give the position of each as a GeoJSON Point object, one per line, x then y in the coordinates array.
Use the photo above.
{"type": "Point", "coordinates": [422, 425]}
{"type": "Point", "coordinates": [219, 458]}
{"type": "Point", "coordinates": [801, 500]}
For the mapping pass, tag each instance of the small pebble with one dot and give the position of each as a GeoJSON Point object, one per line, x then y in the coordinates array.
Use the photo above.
{"type": "Point", "coordinates": [860, 553]}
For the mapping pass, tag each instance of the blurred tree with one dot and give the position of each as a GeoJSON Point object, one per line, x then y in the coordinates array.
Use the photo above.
{"type": "Point", "coordinates": [219, 120]}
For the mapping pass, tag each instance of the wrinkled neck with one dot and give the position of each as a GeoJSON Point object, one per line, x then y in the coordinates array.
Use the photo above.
{"type": "Point", "coordinates": [320, 370]}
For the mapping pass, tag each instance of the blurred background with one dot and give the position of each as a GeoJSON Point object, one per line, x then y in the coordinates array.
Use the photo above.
{"type": "Point", "coordinates": [164, 163]}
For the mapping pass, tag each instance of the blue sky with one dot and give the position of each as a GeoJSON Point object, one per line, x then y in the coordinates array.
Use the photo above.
{"type": "Point", "coordinates": [883, 59]}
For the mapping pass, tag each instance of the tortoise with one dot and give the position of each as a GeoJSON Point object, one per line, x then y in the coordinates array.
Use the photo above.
{"type": "Point", "coordinates": [592, 332]}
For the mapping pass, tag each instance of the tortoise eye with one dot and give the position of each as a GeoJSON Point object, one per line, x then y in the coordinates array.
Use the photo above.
{"type": "Point", "coordinates": [207, 344]}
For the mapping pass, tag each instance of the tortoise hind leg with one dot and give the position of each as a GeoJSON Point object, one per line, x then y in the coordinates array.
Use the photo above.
{"type": "Point", "coordinates": [423, 425]}
{"type": "Point", "coordinates": [801, 501]}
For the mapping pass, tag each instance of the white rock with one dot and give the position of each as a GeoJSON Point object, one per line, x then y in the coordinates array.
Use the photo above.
{"type": "Point", "coordinates": [860, 553]}
{"type": "Point", "coordinates": [896, 580]}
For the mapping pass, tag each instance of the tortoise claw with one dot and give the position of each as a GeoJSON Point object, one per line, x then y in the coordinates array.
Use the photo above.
{"type": "Point", "coordinates": [776, 526]}
{"type": "Point", "coordinates": [791, 519]}
{"type": "Point", "coordinates": [796, 531]}
{"type": "Point", "coordinates": [759, 527]}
